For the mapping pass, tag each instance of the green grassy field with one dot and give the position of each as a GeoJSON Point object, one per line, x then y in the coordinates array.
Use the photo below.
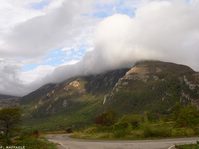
{"type": "Point", "coordinates": [188, 146]}
{"type": "Point", "coordinates": [147, 131]}
{"type": "Point", "coordinates": [35, 143]}
{"type": "Point", "coordinates": [182, 122]}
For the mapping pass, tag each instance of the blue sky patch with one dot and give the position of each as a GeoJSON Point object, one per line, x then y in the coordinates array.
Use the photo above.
{"type": "Point", "coordinates": [108, 9]}
{"type": "Point", "coordinates": [29, 67]}
{"type": "Point", "coordinates": [58, 57]}
{"type": "Point", "coordinates": [40, 5]}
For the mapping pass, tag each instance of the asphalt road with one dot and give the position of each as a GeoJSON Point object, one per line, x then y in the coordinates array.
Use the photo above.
{"type": "Point", "coordinates": [67, 143]}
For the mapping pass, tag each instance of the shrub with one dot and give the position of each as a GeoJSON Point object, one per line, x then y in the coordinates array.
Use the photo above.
{"type": "Point", "coordinates": [90, 130]}
{"type": "Point", "coordinates": [137, 134]}
{"type": "Point", "coordinates": [180, 132]}
{"type": "Point", "coordinates": [156, 131]}
{"type": "Point", "coordinates": [34, 143]}
{"type": "Point", "coordinates": [187, 146]}
{"type": "Point", "coordinates": [186, 116]}
{"type": "Point", "coordinates": [121, 129]}
{"type": "Point", "coordinates": [134, 120]}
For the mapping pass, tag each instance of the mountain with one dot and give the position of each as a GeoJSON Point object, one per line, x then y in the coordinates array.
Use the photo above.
{"type": "Point", "coordinates": [8, 101]}
{"type": "Point", "coordinates": [76, 100]}
{"type": "Point", "coordinates": [152, 86]}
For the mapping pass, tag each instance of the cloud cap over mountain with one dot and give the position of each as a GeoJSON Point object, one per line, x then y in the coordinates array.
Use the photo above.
{"type": "Point", "coordinates": [160, 30]}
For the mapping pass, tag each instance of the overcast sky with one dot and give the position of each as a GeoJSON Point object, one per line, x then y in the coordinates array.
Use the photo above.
{"type": "Point", "coordinates": [51, 40]}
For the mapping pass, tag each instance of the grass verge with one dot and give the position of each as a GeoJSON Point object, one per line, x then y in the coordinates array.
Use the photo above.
{"type": "Point", "coordinates": [187, 146]}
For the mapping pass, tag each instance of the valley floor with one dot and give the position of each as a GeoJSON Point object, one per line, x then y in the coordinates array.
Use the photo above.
{"type": "Point", "coordinates": [68, 143]}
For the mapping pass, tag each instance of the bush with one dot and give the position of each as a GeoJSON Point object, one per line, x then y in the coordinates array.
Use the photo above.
{"type": "Point", "coordinates": [121, 129]}
{"type": "Point", "coordinates": [136, 134]}
{"type": "Point", "coordinates": [90, 130]}
{"type": "Point", "coordinates": [196, 130]}
{"type": "Point", "coordinates": [156, 131]}
{"type": "Point", "coordinates": [187, 146]}
{"type": "Point", "coordinates": [134, 120]}
{"type": "Point", "coordinates": [34, 143]}
{"type": "Point", "coordinates": [186, 116]}
{"type": "Point", "coordinates": [181, 132]}
{"type": "Point", "coordinates": [30, 132]}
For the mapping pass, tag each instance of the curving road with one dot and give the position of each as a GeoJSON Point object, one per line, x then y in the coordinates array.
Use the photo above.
{"type": "Point", "coordinates": [68, 143]}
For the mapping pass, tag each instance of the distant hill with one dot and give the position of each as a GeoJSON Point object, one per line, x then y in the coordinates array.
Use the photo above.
{"type": "Point", "coordinates": [6, 96]}
{"type": "Point", "coordinates": [8, 101]}
{"type": "Point", "coordinates": [152, 86]}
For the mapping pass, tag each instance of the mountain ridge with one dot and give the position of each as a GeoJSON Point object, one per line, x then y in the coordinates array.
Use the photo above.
{"type": "Point", "coordinates": [152, 86]}
{"type": "Point", "coordinates": [108, 83]}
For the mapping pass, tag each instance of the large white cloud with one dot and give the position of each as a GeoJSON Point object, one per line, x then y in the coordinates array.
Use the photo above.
{"type": "Point", "coordinates": [160, 29]}
{"type": "Point", "coordinates": [165, 30]}
{"type": "Point", "coordinates": [55, 29]}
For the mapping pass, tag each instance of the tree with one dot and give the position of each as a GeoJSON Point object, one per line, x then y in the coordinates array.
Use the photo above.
{"type": "Point", "coordinates": [9, 120]}
{"type": "Point", "coordinates": [186, 116]}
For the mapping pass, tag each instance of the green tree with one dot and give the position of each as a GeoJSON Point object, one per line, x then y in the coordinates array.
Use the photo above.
{"type": "Point", "coordinates": [187, 116]}
{"type": "Point", "coordinates": [9, 120]}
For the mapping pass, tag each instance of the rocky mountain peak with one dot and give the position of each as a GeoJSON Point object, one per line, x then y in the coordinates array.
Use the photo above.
{"type": "Point", "coordinates": [154, 85]}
